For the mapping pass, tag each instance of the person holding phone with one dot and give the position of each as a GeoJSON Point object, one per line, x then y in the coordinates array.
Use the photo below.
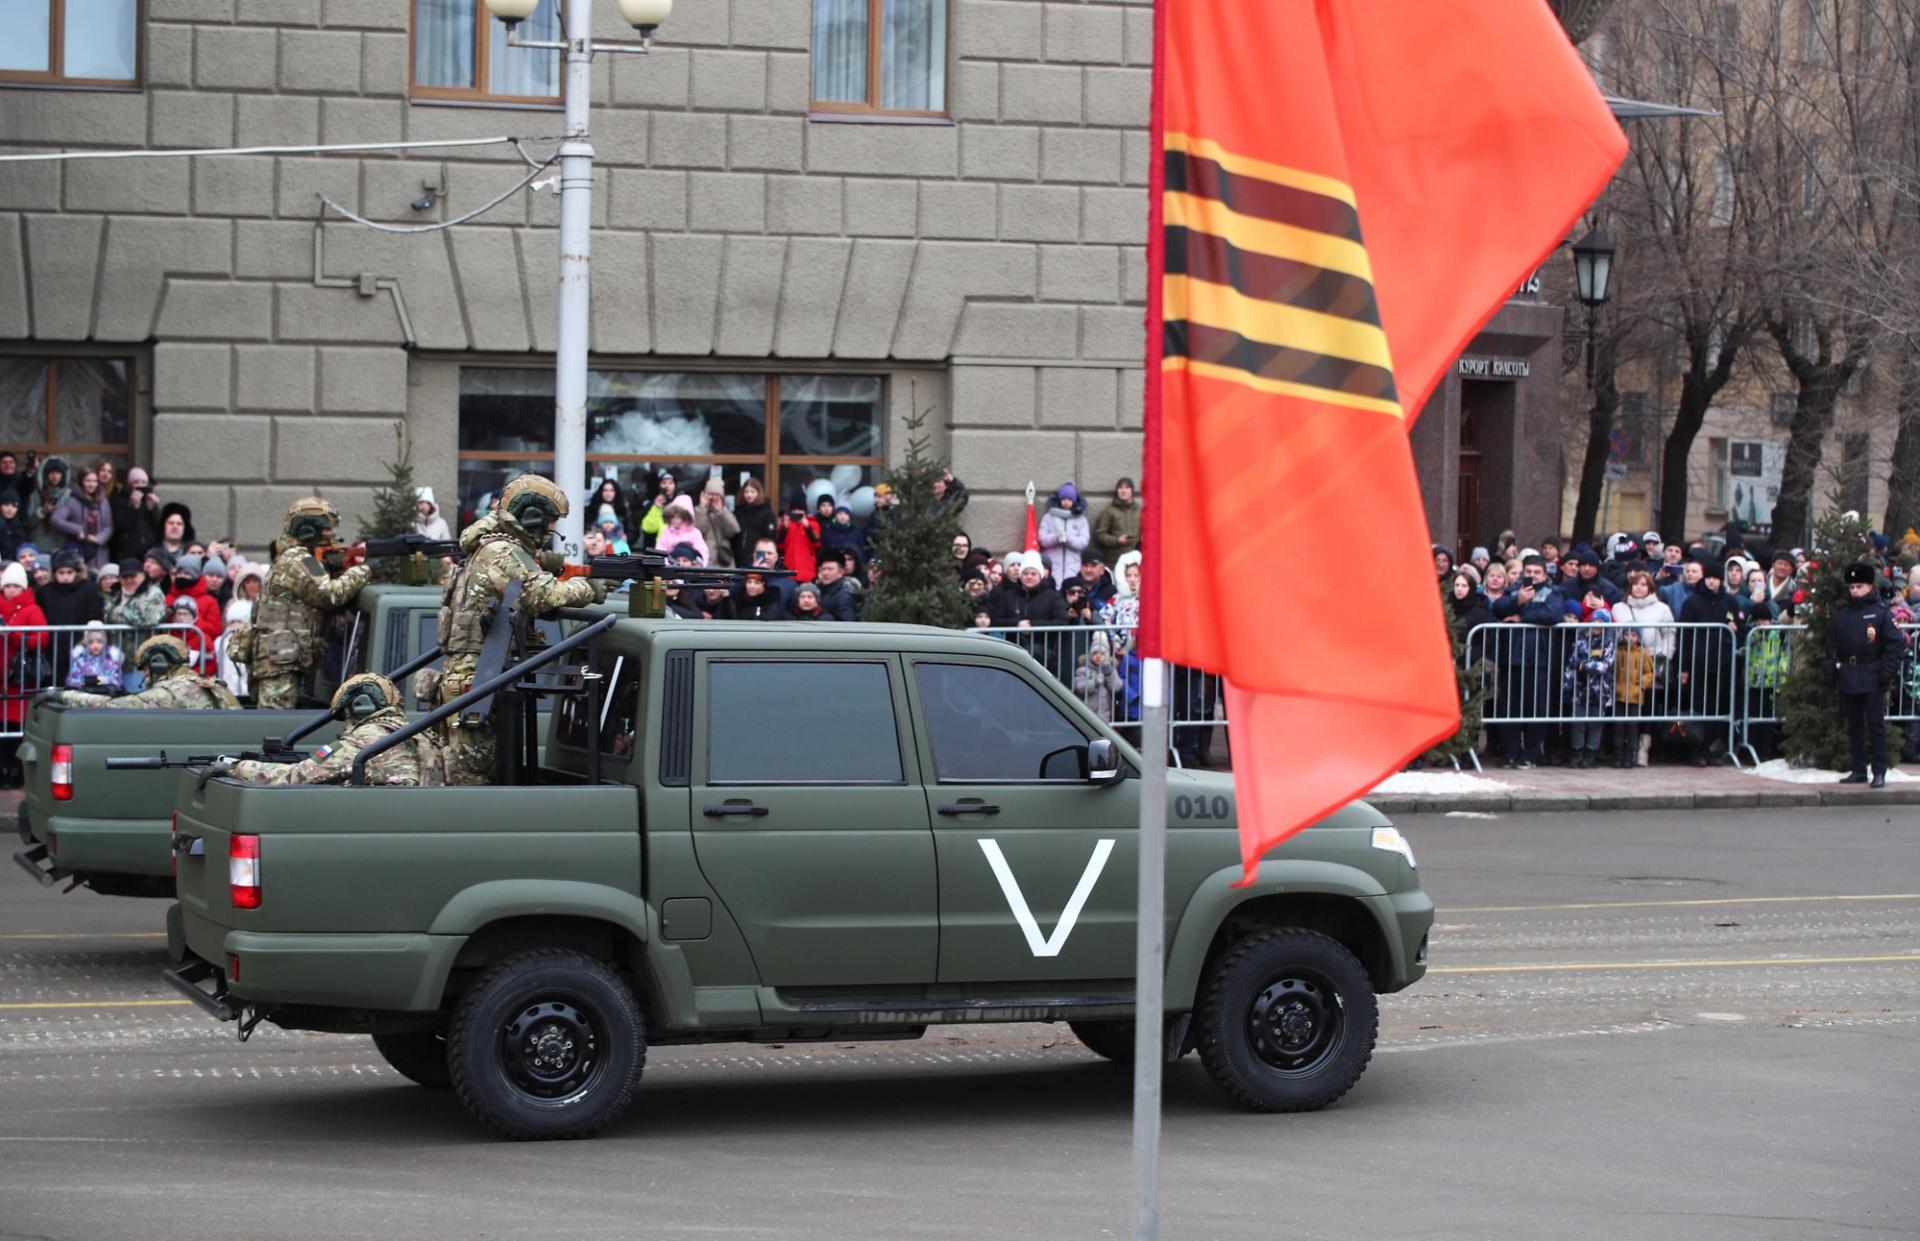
{"type": "Point", "coordinates": [136, 517]}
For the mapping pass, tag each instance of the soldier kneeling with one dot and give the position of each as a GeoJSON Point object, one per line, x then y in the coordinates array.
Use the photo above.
{"type": "Point", "coordinates": [171, 683]}
{"type": "Point", "coordinates": [370, 705]}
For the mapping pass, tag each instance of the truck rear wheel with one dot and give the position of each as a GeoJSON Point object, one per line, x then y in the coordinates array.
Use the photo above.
{"type": "Point", "coordinates": [549, 1044]}
{"type": "Point", "coordinates": [420, 1056]}
{"type": "Point", "coordinates": [1287, 1021]}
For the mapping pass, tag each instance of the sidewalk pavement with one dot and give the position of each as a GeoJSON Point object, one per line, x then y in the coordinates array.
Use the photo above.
{"type": "Point", "coordinates": [1642, 788]}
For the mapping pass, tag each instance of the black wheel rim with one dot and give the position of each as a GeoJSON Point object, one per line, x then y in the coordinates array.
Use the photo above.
{"type": "Point", "coordinates": [550, 1050]}
{"type": "Point", "coordinates": [1296, 1023]}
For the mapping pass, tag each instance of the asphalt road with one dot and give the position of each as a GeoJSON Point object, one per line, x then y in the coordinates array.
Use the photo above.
{"type": "Point", "coordinates": [1690, 1025]}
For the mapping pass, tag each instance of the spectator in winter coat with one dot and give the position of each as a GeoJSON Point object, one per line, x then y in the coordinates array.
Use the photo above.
{"type": "Point", "coordinates": [1117, 530]}
{"type": "Point", "coordinates": [606, 494]}
{"type": "Point", "coordinates": [800, 543]}
{"type": "Point", "coordinates": [18, 652]}
{"type": "Point", "coordinates": [213, 575]}
{"type": "Point", "coordinates": [1675, 593]}
{"type": "Point", "coordinates": [756, 518]}
{"type": "Point", "coordinates": [185, 611]}
{"type": "Point", "coordinates": [1123, 610]}
{"type": "Point", "coordinates": [835, 593]}
{"type": "Point", "coordinates": [54, 486]}
{"type": "Point", "coordinates": [69, 600]}
{"type": "Point", "coordinates": [188, 584]}
{"type": "Point", "coordinates": [12, 532]}
{"type": "Point", "coordinates": [806, 604]}
{"type": "Point", "coordinates": [1030, 603]}
{"type": "Point", "coordinates": [136, 517]}
{"type": "Point", "coordinates": [882, 511]}
{"type": "Point", "coordinates": [758, 601]}
{"type": "Point", "coordinates": [679, 529]}
{"type": "Point", "coordinates": [1634, 674]}
{"type": "Point", "coordinates": [841, 534]}
{"type": "Point", "coordinates": [137, 602]}
{"type": "Point", "coordinates": [1096, 679]}
{"type": "Point", "coordinates": [249, 582]}
{"type": "Point", "coordinates": [717, 526]}
{"type": "Point", "coordinates": [1466, 608]}
{"type": "Point", "coordinates": [949, 493]}
{"type": "Point", "coordinates": [1064, 532]}
{"type": "Point", "coordinates": [427, 521]}
{"type": "Point", "coordinates": [1587, 680]}
{"type": "Point", "coordinates": [1705, 656]}
{"type": "Point", "coordinates": [93, 663]}
{"type": "Point", "coordinates": [11, 476]}
{"type": "Point", "coordinates": [1525, 674]}
{"type": "Point", "coordinates": [176, 528]}
{"type": "Point", "coordinates": [1645, 608]}
{"type": "Point", "coordinates": [1580, 572]}
{"type": "Point", "coordinates": [85, 519]}
{"type": "Point", "coordinates": [1094, 576]}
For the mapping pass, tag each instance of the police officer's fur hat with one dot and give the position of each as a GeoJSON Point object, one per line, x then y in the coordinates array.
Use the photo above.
{"type": "Point", "coordinates": [1860, 575]}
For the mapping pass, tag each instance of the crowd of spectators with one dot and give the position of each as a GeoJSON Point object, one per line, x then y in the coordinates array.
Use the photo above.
{"type": "Point", "coordinates": [1618, 651]}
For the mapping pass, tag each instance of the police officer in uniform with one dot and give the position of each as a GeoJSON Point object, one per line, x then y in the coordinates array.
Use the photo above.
{"type": "Point", "coordinates": [507, 544]}
{"type": "Point", "coordinates": [1864, 651]}
{"type": "Point", "coordinates": [370, 704]}
{"type": "Point", "coordinates": [284, 641]}
{"type": "Point", "coordinates": [172, 684]}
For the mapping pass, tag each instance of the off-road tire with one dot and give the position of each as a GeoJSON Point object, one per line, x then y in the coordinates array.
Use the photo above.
{"type": "Point", "coordinates": [1112, 1040]}
{"type": "Point", "coordinates": [420, 1056]}
{"type": "Point", "coordinates": [552, 1012]}
{"type": "Point", "coordinates": [1323, 995]}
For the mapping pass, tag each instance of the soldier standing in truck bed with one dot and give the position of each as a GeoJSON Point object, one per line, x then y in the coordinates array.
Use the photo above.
{"type": "Point", "coordinates": [283, 643]}
{"type": "Point", "coordinates": [172, 684]}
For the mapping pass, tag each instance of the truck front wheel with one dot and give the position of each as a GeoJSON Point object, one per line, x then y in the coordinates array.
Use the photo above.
{"type": "Point", "coordinates": [549, 1044]}
{"type": "Point", "coordinates": [1288, 1021]}
{"type": "Point", "coordinates": [420, 1056]}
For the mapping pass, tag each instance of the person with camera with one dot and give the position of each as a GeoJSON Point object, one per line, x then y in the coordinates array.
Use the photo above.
{"type": "Point", "coordinates": [136, 517]}
{"type": "Point", "coordinates": [1864, 653]}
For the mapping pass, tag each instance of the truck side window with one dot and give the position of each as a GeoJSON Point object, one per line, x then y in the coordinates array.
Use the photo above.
{"type": "Point", "coordinates": [619, 710]}
{"type": "Point", "coordinates": [772, 722]}
{"type": "Point", "coordinates": [989, 724]}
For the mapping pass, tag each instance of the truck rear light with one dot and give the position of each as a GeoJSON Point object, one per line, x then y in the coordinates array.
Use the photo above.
{"type": "Point", "coordinates": [233, 967]}
{"type": "Point", "coordinates": [243, 871]}
{"type": "Point", "coordinates": [62, 773]}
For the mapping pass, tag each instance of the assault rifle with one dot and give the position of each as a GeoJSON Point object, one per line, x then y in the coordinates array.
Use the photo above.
{"type": "Point", "coordinates": [208, 764]}
{"type": "Point", "coordinates": [651, 573]}
{"type": "Point", "coordinates": [417, 547]}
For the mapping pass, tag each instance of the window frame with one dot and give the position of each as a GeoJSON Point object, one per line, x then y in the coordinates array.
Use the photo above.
{"type": "Point", "coordinates": [482, 52]}
{"type": "Point", "coordinates": [834, 110]}
{"type": "Point", "coordinates": [51, 445]}
{"type": "Point", "coordinates": [703, 690]}
{"type": "Point", "coordinates": [925, 724]}
{"type": "Point", "coordinates": [767, 462]}
{"type": "Point", "coordinates": [54, 77]}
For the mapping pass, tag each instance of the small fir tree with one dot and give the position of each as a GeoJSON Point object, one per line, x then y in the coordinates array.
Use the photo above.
{"type": "Point", "coordinates": [913, 541]}
{"type": "Point", "coordinates": [1472, 680]}
{"type": "Point", "coordinates": [1813, 731]}
{"type": "Point", "coordinates": [394, 512]}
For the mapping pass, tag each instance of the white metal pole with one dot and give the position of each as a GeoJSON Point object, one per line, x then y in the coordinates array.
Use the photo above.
{"type": "Point", "coordinates": [575, 304]}
{"type": "Point", "coordinates": [1149, 959]}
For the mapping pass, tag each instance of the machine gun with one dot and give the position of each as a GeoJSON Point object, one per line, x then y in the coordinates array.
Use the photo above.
{"type": "Point", "coordinates": [651, 573]}
{"type": "Point", "coordinates": [417, 548]}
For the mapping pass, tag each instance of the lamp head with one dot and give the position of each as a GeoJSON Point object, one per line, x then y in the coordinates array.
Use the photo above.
{"type": "Point", "coordinates": [1593, 267]}
{"type": "Point", "coordinates": [512, 12]}
{"type": "Point", "coordinates": [644, 15]}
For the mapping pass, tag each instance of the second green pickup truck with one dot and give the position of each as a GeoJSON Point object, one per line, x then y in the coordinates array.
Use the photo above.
{"type": "Point", "coordinates": [748, 832]}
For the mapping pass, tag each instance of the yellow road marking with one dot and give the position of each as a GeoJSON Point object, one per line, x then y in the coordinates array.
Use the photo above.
{"type": "Point", "coordinates": [1666, 965]}
{"type": "Point", "coordinates": [78, 935]}
{"type": "Point", "coordinates": [1718, 900]}
{"type": "Point", "coordinates": [97, 1004]}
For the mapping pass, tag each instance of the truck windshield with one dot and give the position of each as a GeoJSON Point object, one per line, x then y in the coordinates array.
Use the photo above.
{"type": "Point", "coordinates": [619, 709]}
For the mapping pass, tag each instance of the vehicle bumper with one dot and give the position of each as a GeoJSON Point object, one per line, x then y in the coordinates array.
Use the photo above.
{"type": "Point", "coordinates": [392, 971]}
{"type": "Point", "coordinates": [1408, 917]}
{"type": "Point", "coordinates": [109, 846]}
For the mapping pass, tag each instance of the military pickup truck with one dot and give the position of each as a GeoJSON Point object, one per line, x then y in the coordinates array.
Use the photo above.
{"type": "Point", "coordinates": [106, 828]}
{"type": "Point", "coordinates": [748, 832]}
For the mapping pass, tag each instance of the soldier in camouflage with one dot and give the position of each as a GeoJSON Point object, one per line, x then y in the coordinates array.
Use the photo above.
{"type": "Point", "coordinates": [503, 546]}
{"type": "Point", "coordinates": [283, 643]}
{"type": "Point", "coordinates": [172, 684]}
{"type": "Point", "coordinates": [370, 705]}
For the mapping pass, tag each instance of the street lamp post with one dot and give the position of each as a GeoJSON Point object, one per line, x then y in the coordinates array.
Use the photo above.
{"type": "Point", "coordinates": [1593, 274]}
{"type": "Point", "coordinates": [574, 303]}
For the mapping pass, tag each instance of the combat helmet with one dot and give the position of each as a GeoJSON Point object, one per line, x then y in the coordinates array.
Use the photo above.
{"type": "Point", "coordinates": [160, 655]}
{"type": "Point", "coordinates": [533, 503]}
{"type": "Point", "coordinates": [361, 696]}
{"type": "Point", "coordinates": [310, 520]}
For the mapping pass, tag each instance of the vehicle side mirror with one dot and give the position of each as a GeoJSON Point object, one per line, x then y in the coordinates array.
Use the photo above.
{"type": "Point", "coordinates": [1103, 762]}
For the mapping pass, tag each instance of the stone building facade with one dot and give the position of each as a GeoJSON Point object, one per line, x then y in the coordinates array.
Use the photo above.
{"type": "Point", "coordinates": [777, 280]}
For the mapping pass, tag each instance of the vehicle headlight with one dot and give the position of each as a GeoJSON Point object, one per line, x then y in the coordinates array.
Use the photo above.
{"type": "Point", "coordinates": [1390, 839]}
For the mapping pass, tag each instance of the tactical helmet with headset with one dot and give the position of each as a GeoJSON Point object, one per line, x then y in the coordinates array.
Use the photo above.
{"type": "Point", "coordinates": [534, 504]}
{"type": "Point", "coordinates": [361, 696]}
{"type": "Point", "coordinates": [310, 520]}
{"type": "Point", "coordinates": [161, 654]}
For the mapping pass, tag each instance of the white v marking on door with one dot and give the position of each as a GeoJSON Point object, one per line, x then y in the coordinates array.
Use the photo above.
{"type": "Point", "coordinates": [1050, 945]}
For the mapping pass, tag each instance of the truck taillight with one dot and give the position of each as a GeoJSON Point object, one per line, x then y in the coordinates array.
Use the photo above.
{"type": "Point", "coordinates": [243, 871]}
{"type": "Point", "coordinates": [62, 773]}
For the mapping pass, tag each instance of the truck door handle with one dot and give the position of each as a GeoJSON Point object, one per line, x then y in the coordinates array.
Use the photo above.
{"type": "Point", "coordinates": [971, 807]}
{"type": "Point", "coordinates": [733, 808]}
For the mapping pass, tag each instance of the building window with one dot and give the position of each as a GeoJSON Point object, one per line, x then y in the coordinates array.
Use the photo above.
{"type": "Point", "coordinates": [460, 53]}
{"type": "Point", "coordinates": [799, 435]}
{"type": "Point", "coordinates": [72, 407]}
{"type": "Point", "coordinates": [70, 42]}
{"type": "Point", "coordinates": [880, 56]}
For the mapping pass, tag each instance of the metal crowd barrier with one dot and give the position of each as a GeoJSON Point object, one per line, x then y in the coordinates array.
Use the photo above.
{"type": "Point", "coordinates": [35, 657]}
{"type": "Point", "coordinates": [1768, 657]}
{"type": "Point", "coordinates": [1110, 684]}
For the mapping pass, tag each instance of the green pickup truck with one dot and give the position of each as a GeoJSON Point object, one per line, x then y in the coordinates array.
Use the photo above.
{"type": "Point", "coordinates": [106, 828]}
{"type": "Point", "coordinates": [751, 832]}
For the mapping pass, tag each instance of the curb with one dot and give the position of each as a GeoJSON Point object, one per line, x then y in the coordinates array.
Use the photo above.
{"type": "Point", "coordinates": [1552, 803]}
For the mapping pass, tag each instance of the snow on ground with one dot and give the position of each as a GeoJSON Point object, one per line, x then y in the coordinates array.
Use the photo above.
{"type": "Point", "coordinates": [1468, 814]}
{"type": "Point", "coordinates": [1780, 769]}
{"type": "Point", "coordinates": [1439, 782]}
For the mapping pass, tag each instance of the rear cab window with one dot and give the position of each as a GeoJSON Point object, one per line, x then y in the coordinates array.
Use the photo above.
{"type": "Point", "coordinates": [802, 721]}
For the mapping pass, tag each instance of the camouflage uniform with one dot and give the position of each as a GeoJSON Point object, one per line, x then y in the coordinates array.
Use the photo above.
{"type": "Point", "coordinates": [176, 687]}
{"type": "Point", "coordinates": [498, 551]}
{"type": "Point", "coordinates": [414, 763]}
{"type": "Point", "coordinates": [283, 642]}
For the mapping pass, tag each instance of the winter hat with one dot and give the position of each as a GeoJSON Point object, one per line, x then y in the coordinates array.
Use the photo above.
{"type": "Point", "coordinates": [1100, 643]}
{"type": "Point", "coordinates": [1068, 493]}
{"type": "Point", "coordinates": [214, 567]}
{"type": "Point", "coordinates": [1859, 575]}
{"type": "Point", "coordinates": [841, 508]}
{"type": "Point", "coordinates": [240, 612]}
{"type": "Point", "coordinates": [187, 565]}
{"type": "Point", "coordinates": [1879, 540]}
{"type": "Point", "coordinates": [1584, 553]}
{"type": "Point", "coordinates": [714, 487]}
{"type": "Point", "coordinates": [806, 588]}
{"type": "Point", "coordinates": [684, 503]}
{"type": "Point", "coordinates": [1480, 556]}
{"type": "Point", "coordinates": [1120, 572]}
{"type": "Point", "coordinates": [137, 477]}
{"type": "Point", "coordinates": [1012, 561]}
{"type": "Point", "coordinates": [109, 572]}
{"type": "Point", "coordinates": [69, 558]}
{"type": "Point", "coordinates": [1031, 560]}
{"type": "Point", "coordinates": [93, 627]}
{"type": "Point", "coordinates": [1783, 556]}
{"type": "Point", "coordinates": [23, 549]}
{"type": "Point", "coordinates": [685, 551]}
{"type": "Point", "coordinates": [882, 489]}
{"type": "Point", "coordinates": [15, 574]}
{"type": "Point", "coordinates": [425, 493]}
{"type": "Point", "coordinates": [9, 496]}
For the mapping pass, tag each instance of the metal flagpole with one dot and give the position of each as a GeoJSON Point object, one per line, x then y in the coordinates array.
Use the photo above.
{"type": "Point", "coordinates": [1149, 969]}
{"type": "Point", "coordinates": [575, 304]}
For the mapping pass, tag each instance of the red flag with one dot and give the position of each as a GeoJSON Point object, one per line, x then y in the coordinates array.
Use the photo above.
{"type": "Point", "coordinates": [1345, 193]}
{"type": "Point", "coordinates": [1032, 541]}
